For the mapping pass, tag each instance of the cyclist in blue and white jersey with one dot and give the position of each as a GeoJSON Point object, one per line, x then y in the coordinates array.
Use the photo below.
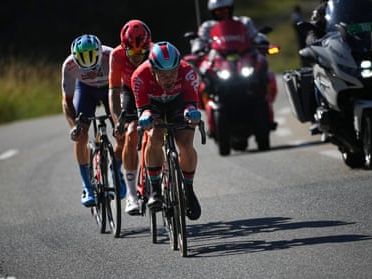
{"type": "Point", "coordinates": [85, 85]}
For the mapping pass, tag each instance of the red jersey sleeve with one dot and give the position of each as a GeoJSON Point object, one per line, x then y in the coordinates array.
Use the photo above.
{"type": "Point", "coordinates": [190, 84]}
{"type": "Point", "coordinates": [140, 83]}
{"type": "Point", "coordinates": [116, 69]}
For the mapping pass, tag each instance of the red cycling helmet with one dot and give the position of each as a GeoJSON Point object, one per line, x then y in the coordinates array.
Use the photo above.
{"type": "Point", "coordinates": [135, 37]}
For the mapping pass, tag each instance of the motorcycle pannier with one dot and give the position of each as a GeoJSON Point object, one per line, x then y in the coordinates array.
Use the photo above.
{"type": "Point", "coordinates": [299, 86]}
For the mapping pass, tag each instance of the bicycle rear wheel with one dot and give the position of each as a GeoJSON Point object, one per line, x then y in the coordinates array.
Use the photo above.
{"type": "Point", "coordinates": [179, 208]}
{"type": "Point", "coordinates": [99, 210]}
{"type": "Point", "coordinates": [168, 209]}
{"type": "Point", "coordinates": [112, 191]}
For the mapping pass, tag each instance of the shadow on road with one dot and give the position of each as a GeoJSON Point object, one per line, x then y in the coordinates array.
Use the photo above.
{"type": "Point", "coordinates": [229, 238]}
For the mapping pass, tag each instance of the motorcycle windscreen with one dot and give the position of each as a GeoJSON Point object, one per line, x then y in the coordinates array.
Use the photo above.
{"type": "Point", "coordinates": [229, 36]}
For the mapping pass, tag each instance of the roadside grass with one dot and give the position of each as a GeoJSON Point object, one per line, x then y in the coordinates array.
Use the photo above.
{"type": "Point", "coordinates": [28, 90]}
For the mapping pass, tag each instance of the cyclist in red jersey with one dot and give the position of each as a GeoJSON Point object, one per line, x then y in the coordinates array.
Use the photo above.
{"type": "Point", "coordinates": [134, 48]}
{"type": "Point", "coordinates": [166, 86]}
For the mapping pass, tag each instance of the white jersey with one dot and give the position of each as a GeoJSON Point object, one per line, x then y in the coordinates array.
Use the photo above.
{"type": "Point", "coordinates": [97, 77]}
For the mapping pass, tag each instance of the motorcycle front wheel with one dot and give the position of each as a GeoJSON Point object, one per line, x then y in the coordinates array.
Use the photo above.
{"type": "Point", "coordinates": [367, 139]}
{"type": "Point", "coordinates": [262, 133]}
{"type": "Point", "coordinates": [223, 137]}
{"type": "Point", "coordinates": [353, 160]}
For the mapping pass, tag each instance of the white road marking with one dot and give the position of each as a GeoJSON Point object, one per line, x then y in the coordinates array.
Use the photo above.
{"type": "Point", "coordinates": [8, 154]}
{"type": "Point", "coordinates": [332, 153]}
{"type": "Point", "coordinates": [298, 141]}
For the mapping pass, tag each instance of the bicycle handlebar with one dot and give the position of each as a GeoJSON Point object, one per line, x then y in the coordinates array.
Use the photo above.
{"type": "Point", "coordinates": [180, 125]}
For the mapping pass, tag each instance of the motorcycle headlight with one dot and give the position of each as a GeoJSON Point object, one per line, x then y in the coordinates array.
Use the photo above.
{"type": "Point", "coordinates": [224, 74]}
{"type": "Point", "coordinates": [366, 67]}
{"type": "Point", "coordinates": [247, 71]}
{"type": "Point", "coordinates": [366, 73]}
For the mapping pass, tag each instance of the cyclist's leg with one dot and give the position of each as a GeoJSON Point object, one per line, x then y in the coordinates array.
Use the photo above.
{"type": "Point", "coordinates": [154, 158]}
{"type": "Point", "coordinates": [102, 96]}
{"type": "Point", "coordinates": [188, 163]}
{"type": "Point", "coordinates": [130, 154]}
{"type": "Point", "coordinates": [84, 102]}
{"type": "Point", "coordinates": [130, 159]}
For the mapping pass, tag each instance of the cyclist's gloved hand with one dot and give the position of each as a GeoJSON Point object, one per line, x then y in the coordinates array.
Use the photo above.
{"type": "Point", "coordinates": [146, 120]}
{"type": "Point", "coordinates": [192, 115]}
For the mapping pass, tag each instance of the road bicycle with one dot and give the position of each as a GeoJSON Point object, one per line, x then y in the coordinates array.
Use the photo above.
{"type": "Point", "coordinates": [143, 183]}
{"type": "Point", "coordinates": [104, 175]}
{"type": "Point", "coordinates": [173, 189]}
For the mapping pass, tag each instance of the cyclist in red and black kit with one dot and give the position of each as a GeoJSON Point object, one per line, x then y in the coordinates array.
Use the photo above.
{"type": "Point", "coordinates": [166, 86]}
{"type": "Point", "coordinates": [135, 39]}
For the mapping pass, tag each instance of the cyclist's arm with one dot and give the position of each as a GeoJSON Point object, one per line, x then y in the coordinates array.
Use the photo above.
{"type": "Point", "coordinates": [115, 86]}
{"type": "Point", "coordinates": [190, 88]}
{"type": "Point", "coordinates": [68, 88]}
{"type": "Point", "coordinates": [140, 91]}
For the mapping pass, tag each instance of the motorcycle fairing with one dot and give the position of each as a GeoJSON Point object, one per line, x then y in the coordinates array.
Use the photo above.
{"type": "Point", "coordinates": [336, 68]}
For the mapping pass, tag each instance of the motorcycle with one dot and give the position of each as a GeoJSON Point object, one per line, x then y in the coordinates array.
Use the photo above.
{"type": "Point", "coordinates": [336, 92]}
{"type": "Point", "coordinates": [234, 88]}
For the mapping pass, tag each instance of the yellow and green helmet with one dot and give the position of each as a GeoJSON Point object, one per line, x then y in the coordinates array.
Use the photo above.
{"type": "Point", "coordinates": [87, 51]}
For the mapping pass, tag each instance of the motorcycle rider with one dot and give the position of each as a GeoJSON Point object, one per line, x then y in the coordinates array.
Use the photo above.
{"type": "Point", "coordinates": [319, 22]}
{"type": "Point", "coordinates": [223, 10]}
{"type": "Point", "coordinates": [135, 39]}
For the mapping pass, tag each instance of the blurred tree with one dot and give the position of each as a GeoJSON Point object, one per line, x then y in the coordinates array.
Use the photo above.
{"type": "Point", "coordinates": [44, 29]}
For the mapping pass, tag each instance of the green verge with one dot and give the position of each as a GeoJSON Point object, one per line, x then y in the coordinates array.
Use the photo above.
{"type": "Point", "coordinates": [28, 90]}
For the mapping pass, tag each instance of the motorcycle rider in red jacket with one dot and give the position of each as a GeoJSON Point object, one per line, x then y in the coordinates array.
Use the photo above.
{"type": "Point", "coordinates": [222, 10]}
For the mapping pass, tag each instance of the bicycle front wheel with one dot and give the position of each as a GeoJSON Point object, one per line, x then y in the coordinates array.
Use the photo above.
{"type": "Point", "coordinates": [168, 208]}
{"type": "Point", "coordinates": [99, 210]}
{"type": "Point", "coordinates": [179, 209]}
{"type": "Point", "coordinates": [112, 189]}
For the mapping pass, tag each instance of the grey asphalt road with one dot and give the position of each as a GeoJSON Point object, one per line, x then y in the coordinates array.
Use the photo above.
{"type": "Point", "coordinates": [293, 212]}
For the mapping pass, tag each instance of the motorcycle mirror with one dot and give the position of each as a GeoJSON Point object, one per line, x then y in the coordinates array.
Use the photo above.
{"type": "Point", "coordinates": [190, 35]}
{"type": "Point", "coordinates": [342, 28]}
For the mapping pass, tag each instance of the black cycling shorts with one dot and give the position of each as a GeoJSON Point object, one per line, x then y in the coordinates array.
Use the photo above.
{"type": "Point", "coordinates": [171, 111]}
{"type": "Point", "coordinates": [128, 105]}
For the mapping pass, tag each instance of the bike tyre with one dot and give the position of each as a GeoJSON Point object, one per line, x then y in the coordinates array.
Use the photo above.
{"type": "Point", "coordinates": [180, 205]}
{"type": "Point", "coordinates": [99, 210]}
{"type": "Point", "coordinates": [367, 139]}
{"type": "Point", "coordinates": [168, 209]}
{"type": "Point", "coordinates": [112, 183]}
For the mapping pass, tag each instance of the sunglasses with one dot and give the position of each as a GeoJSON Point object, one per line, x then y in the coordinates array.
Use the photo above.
{"type": "Point", "coordinates": [135, 52]}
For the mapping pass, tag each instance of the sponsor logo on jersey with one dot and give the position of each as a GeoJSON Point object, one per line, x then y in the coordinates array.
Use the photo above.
{"type": "Point", "coordinates": [192, 78]}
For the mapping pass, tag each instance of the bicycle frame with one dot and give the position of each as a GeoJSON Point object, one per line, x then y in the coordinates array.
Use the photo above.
{"type": "Point", "coordinates": [174, 198]}
{"type": "Point", "coordinates": [104, 175]}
